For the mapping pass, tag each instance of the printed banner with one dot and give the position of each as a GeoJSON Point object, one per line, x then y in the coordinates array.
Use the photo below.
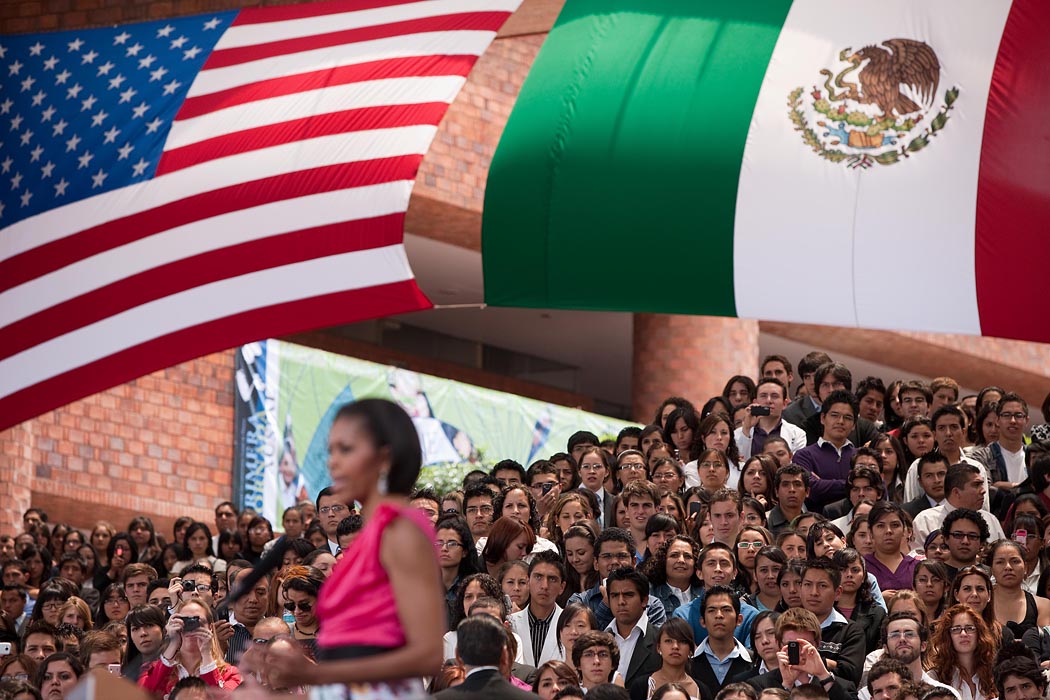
{"type": "Point", "coordinates": [287, 396]}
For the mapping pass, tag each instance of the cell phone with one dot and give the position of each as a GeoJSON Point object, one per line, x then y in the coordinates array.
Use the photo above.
{"type": "Point", "coordinates": [5, 648]}
{"type": "Point", "coordinates": [793, 654]}
{"type": "Point", "coordinates": [1021, 536]}
{"type": "Point", "coordinates": [119, 551]}
{"type": "Point", "coordinates": [114, 669]}
{"type": "Point", "coordinates": [190, 623]}
{"type": "Point", "coordinates": [694, 507]}
{"type": "Point", "coordinates": [760, 410]}
{"type": "Point", "coordinates": [547, 486]}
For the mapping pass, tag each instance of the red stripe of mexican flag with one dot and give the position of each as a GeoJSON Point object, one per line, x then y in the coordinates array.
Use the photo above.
{"type": "Point", "coordinates": [760, 159]}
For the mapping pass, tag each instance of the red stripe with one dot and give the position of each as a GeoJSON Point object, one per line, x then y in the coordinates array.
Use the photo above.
{"type": "Point", "coordinates": [261, 15]}
{"type": "Point", "coordinates": [300, 129]}
{"type": "Point", "coordinates": [55, 255]}
{"type": "Point", "coordinates": [1013, 189]}
{"type": "Point", "coordinates": [408, 67]}
{"type": "Point", "coordinates": [485, 21]}
{"type": "Point", "coordinates": [199, 270]}
{"type": "Point", "coordinates": [188, 343]}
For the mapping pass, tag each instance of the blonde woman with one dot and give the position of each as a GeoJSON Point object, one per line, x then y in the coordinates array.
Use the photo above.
{"type": "Point", "coordinates": [192, 650]}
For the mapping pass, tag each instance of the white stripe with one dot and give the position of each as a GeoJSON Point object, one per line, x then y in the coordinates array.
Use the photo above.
{"type": "Point", "coordinates": [200, 305]}
{"type": "Point", "coordinates": [244, 167]}
{"type": "Point", "coordinates": [300, 105]}
{"type": "Point", "coordinates": [200, 237]}
{"type": "Point", "coordinates": [281, 30]}
{"type": "Point", "coordinates": [212, 80]}
{"type": "Point", "coordinates": [889, 247]}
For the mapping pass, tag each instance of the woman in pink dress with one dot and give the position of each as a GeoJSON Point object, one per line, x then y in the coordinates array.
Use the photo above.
{"type": "Point", "coordinates": [381, 611]}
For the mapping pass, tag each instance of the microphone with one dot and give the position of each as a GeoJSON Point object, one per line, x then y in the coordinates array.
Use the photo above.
{"type": "Point", "coordinates": [268, 563]}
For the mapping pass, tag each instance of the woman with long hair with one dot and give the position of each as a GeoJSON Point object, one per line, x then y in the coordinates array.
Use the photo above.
{"type": "Point", "coordinates": [756, 479]}
{"type": "Point", "coordinates": [667, 474]}
{"type": "Point", "coordinates": [120, 552]}
{"type": "Point", "coordinates": [916, 438]}
{"type": "Point", "coordinates": [930, 582]}
{"type": "Point", "coordinates": [145, 536]}
{"type": "Point", "coordinates": [670, 504]}
{"type": "Point", "coordinates": [457, 557]}
{"type": "Point", "coordinates": [260, 531]}
{"type": "Point", "coordinates": [551, 677]}
{"type": "Point", "coordinates": [76, 612]}
{"type": "Point", "coordinates": [58, 674]}
{"type": "Point", "coordinates": [764, 642]}
{"type": "Point", "coordinates": [986, 426]}
{"type": "Point", "coordinates": [962, 653]}
{"type": "Point", "coordinates": [470, 590]}
{"type": "Point", "coordinates": [714, 433]}
{"type": "Point", "coordinates": [769, 562]}
{"type": "Point", "coordinates": [1015, 607]}
{"type": "Point", "coordinates": [516, 502]}
{"type": "Point", "coordinates": [192, 650]}
{"type": "Point", "coordinates": [575, 619]}
{"type": "Point", "coordinates": [749, 541]}
{"type": "Point", "coordinates": [856, 602]}
{"type": "Point", "coordinates": [712, 469]}
{"type": "Point", "coordinates": [972, 586]}
{"type": "Point", "coordinates": [894, 465]}
{"type": "Point", "coordinates": [580, 574]}
{"type": "Point", "coordinates": [680, 430]}
{"type": "Point", "coordinates": [859, 536]}
{"type": "Point", "coordinates": [570, 508]}
{"type": "Point", "coordinates": [675, 644]}
{"type": "Point", "coordinates": [101, 534]}
{"type": "Point", "coordinates": [671, 571]}
{"type": "Point", "coordinates": [740, 391]}
{"type": "Point", "coordinates": [382, 613]}
{"type": "Point", "coordinates": [39, 561]}
{"type": "Point", "coordinates": [197, 548]}
{"type": "Point", "coordinates": [113, 605]}
{"type": "Point", "coordinates": [508, 540]}
{"type": "Point", "coordinates": [49, 603]}
{"type": "Point", "coordinates": [513, 577]}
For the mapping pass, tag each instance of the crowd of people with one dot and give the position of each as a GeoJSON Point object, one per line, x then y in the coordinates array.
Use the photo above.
{"type": "Point", "coordinates": [856, 539]}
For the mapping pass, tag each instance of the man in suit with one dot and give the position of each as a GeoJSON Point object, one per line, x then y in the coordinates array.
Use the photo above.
{"type": "Point", "coordinates": [537, 624]}
{"type": "Point", "coordinates": [631, 628]}
{"type": "Point", "coordinates": [720, 657]}
{"type": "Point", "coordinates": [483, 652]}
{"type": "Point", "coordinates": [932, 469]}
{"type": "Point", "coordinates": [806, 405]}
{"type": "Point", "coordinates": [801, 626]}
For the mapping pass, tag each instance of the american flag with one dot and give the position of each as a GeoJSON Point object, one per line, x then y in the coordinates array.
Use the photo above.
{"type": "Point", "coordinates": [173, 188]}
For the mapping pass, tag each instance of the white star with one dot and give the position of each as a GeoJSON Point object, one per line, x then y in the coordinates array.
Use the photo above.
{"type": "Point", "coordinates": [46, 115]}
{"type": "Point", "coordinates": [125, 151]}
{"type": "Point", "coordinates": [35, 154]}
{"type": "Point", "coordinates": [5, 167]}
{"type": "Point", "coordinates": [60, 188]}
{"type": "Point", "coordinates": [134, 50]}
{"type": "Point", "coordinates": [158, 74]}
{"type": "Point", "coordinates": [27, 84]}
{"type": "Point", "coordinates": [75, 44]}
{"type": "Point", "coordinates": [191, 54]}
{"type": "Point", "coordinates": [127, 95]}
{"type": "Point", "coordinates": [62, 77]}
{"type": "Point", "coordinates": [170, 88]}
{"type": "Point", "coordinates": [165, 31]}
{"type": "Point", "coordinates": [50, 63]}
{"type": "Point", "coordinates": [105, 68]}
{"type": "Point", "coordinates": [147, 62]}
{"type": "Point", "coordinates": [211, 23]}
{"type": "Point", "coordinates": [1, 203]}
{"type": "Point", "coordinates": [116, 82]}
{"type": "Point", "coordinates": [16, 181]}
{"type": "Point", "coordinates": [140, 111]}
{"type": "Point", "coordinates": [71, 144]}
{"type": "Point", "coordinates": [84, 160]}
{"type": "Point", "coordinates": [112, 134]}
{"type": "Point", "coordinates": [89, 57]}
{"type": "Point", "coordinates": [97, 119]}
{"type": "Point", "coordinates": [27, 136]}
{"type": "Point", "coordinates": [16, 122]}
{"type": "Point", "coordinates": [88, 103]}
{"type": "Point", "coordinates": [26, 196]}
{"type": "Point", "coordinates": [153, 125]}
{"type": "Point", "coordinates": [97, 179]}
{"type": "Point", "coordinates": [15, 68]}
{"type": "Point", "coordinates": [71, 93]}
{"type": "Point", "coordinates": [3, 50]}
{"type": "Point", "coordinates": [35, 49]}
{"type": "Point", "coordinates": [45, 172]}
{"type": "Point", "coordinates": [38, 99]}
{"type": "Point", "coordinates": [121, 38]}
{"type": "Point", "coordinates": [179, 42]}
{"type": "Point", "coordinates": [6, 106]}
{"type": "Point", "coordinates": [140, 167]}
{"type": "Point", "coordinates": [59, 128]}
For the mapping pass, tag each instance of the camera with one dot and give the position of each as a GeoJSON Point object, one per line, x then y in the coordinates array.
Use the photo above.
{"type": "Point", "coordinates": [760, 410]}
{"type": "Point", "coordinates": [189, 586]}
{"type": "Point", "coordinates": [190, 623]}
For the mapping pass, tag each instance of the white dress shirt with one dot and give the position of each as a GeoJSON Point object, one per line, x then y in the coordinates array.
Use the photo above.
{"type": "Point", "coordinates": [627, 644]}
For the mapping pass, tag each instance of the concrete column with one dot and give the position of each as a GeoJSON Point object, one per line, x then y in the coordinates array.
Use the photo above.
{"type": "Point", "coordinates": [690, 356]}
{"type": "Point", "coordinates": [16, 476]}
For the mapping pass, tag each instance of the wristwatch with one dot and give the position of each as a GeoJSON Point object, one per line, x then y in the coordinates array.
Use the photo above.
{"type": "Point", "coordinates": [826, 680]}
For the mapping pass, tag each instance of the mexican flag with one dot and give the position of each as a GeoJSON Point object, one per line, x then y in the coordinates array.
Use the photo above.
{"type": "Point", "coordinates": [873, 164]}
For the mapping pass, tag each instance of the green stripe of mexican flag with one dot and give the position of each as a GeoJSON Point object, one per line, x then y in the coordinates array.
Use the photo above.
{"type": "Point", "coordinates": [815, 161]}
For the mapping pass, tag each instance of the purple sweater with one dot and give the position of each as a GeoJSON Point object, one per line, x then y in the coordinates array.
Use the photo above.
{"type": "Point", "coordinates": [824, 461]}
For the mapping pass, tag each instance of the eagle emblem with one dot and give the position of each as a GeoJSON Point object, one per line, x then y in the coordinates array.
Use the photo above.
{"type": "Point", "coordinates": [880, 108]}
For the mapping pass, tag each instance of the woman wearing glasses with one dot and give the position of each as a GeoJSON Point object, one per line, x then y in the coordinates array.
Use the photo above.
{"type": "Point", "coordinates": [456, 557]}
{"type": "Point", "coordinates": [748, 542]}
{"type": "Point", "coordinates": [963, 653]}
{"type": "Point", "coordinates": [300, 591]}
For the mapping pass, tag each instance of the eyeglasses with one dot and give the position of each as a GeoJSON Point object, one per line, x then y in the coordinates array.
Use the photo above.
{"type": "Point", "coordinates": [955, 535]}
{"type": "Point", "coordinates": [483, 510]}
{"type": "Point", "coordinates": [844, 417]}
{"type": "Point", "coordinates": [260, 530]}
{"type": "Point", "coordinates": [1017, 416]}
{"type": "Point", "coordinates": [758, 544]}
{"type": "Point", "coordinates": [451, 511]}
{"type": "Point", "coordinates": [609, 556]}
{"type": "Point", "coordinates": [712, 465]}
{"type": "Point", "coordinates": [53, 606]}
{"type": "Point", "coordinates": [200, 587]}
{"type": "Point", "coordinates": [303, 605]}
{"type": "Point", "coordinates": [632, 467]}
{"type": "Point", "coordinates": [449, 544]}
{"type": "Point", "coordinates": [902, 634]}
{"type": "Point", "coordinates": [603, 654]}
{"type": "Point", "coordinates": [332, 509]}
{"type": "Point", "coordinates": [591, 467]}
{"type": "Point", "coordinates": [17, 677]}
{"type": "Point", "coordinates": [963, 629]}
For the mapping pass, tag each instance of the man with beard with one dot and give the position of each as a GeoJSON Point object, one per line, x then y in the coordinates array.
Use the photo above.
{"type": "Point", "coordinates": [906, 642]}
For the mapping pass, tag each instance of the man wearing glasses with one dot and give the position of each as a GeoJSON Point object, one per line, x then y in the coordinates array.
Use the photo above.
{"type": "Point", "coordinates": [965, 532]}
{"type": "Point", "coordinates": [1004, 458]}
{"type": "Point", "coordinates": [330, 512]}
{"type": "Point", "coordinates": [477, 505]}
{"type": "Point", "coordinates": [828, 459]}
{"type": "Point", "coordinates": [614, 549]}
{"type": "Point", "coordinates": [253, 660]}
{"type": "Point", "coordinates": [964, 487]}
{"type": "Point", "coordinates": [906, 642]}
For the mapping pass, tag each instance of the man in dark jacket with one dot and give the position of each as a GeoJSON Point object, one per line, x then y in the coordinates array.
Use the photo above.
{"type": "Point", "coordinates": [483, 652]}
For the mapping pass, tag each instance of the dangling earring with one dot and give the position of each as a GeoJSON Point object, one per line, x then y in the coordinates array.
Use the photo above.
{"type": "Point", "coordinates": [382, 486]}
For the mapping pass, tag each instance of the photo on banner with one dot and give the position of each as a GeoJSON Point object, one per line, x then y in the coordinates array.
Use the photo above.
{"type": "Point", "coordinates": [288, 395]}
